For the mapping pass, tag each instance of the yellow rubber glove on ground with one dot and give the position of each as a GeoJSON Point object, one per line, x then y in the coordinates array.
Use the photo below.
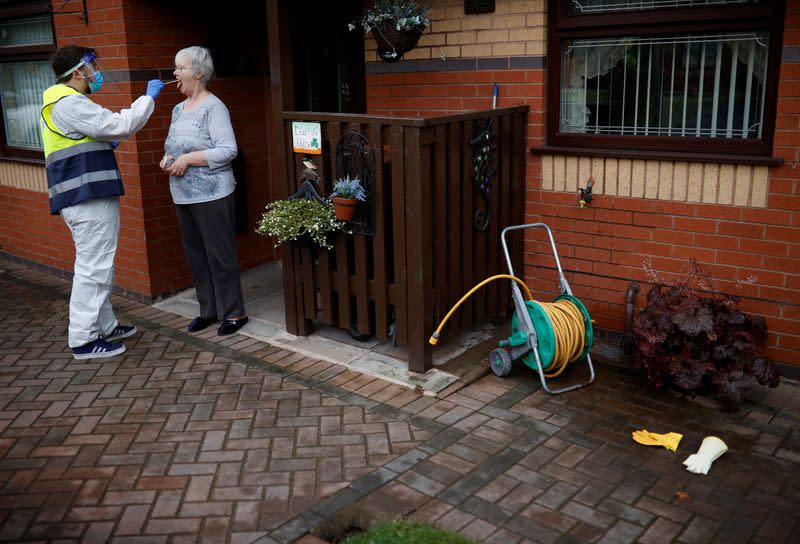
{"type": "Point", "coordinates": [668, 440]}
{"type": "Point", "coordinates": [643, 437]}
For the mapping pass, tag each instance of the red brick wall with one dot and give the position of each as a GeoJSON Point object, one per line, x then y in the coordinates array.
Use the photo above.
{"type": "Point", "coordinates": [28, 230]}
{"type": "Point", "coordinates": [153, 39]}
{"type": "Point", "coordinates": [780, 241]}
{"type": "Point", "coordinates": [603, 247]}
{"type": "Point", "coordinates": [150, 260]}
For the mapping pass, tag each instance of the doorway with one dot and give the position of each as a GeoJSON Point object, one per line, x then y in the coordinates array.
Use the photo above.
{"type": "Point", "coordinates": [328, 59]}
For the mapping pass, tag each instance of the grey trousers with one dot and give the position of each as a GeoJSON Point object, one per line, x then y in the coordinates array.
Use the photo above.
{"type": "Point", "coordinates": [209, 241]}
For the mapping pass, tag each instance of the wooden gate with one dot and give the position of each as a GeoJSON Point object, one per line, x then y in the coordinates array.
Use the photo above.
{"type": "Point", "coordinates": [434, 232]}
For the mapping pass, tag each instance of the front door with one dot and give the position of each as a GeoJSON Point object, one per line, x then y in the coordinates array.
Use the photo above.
{"type": "Point", "coordinates": [328, 59]}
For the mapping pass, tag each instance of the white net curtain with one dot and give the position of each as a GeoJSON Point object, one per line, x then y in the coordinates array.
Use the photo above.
{"type": "Point", "coordinates": [22, 82]}
{"type": "Point", "coordinates": [579, 7]}
{"type": "Point", "coordinates": [709, 85]}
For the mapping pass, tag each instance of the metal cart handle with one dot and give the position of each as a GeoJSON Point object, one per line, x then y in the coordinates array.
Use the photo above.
{"type": "Point", "coordinates": [562, 281]}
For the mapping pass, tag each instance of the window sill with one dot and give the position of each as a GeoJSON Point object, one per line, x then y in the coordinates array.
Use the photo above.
{"type": "Point", "coordinates": [24, 160]}
{"type": "Point", "coordinates": [757, 160]}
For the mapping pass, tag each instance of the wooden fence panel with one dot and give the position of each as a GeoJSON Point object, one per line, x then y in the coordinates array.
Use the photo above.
{"type": "Point", "coordinates": [399, 232]}
{"type": "Point", "coordinates": [440, 219]}
{"type": "Point", "coordinates": [467, 229]}
{"type": "Point", "coordinates": [455, 278]}
{"type": "Point", "coordinates": [325, 285]}
{"type": "Point", "coordinates": [492, 233]}
{"type": "Point", "coordinates": [379, 262]}
{"type": "Point", "coordinates": [424, 252]}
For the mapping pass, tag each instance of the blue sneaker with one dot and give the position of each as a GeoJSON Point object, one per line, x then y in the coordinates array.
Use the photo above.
{"type": "Point", "coordinates": [98, 349]}
{"type": "Point", "coordinates": [120, 332]}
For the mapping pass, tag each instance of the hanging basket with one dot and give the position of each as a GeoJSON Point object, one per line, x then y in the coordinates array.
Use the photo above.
{"type": "Point", "coordinates": [345, 208]}
{"type": "Point", "coordinates": [393, 43]}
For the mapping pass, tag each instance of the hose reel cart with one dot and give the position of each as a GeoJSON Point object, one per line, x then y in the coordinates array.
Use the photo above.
{"type": "Point", "coordinates": [545, 336]}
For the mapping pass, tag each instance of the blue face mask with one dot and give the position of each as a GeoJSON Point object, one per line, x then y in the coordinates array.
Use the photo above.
{"type": "Point", "coordinates": [95, 85]}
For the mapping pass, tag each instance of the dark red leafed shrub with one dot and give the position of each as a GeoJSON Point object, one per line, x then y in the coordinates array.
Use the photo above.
{"type": "Point", "coordinates": [692, 336]}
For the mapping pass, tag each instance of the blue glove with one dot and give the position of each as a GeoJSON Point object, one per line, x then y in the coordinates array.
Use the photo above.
{"type": "Point", "coordinates": [154, 87]}
{"type": "Point", "coordinates": [114, 144]}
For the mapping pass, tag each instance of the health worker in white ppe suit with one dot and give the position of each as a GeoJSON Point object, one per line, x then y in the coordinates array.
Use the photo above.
{"type": "Point", "coordinates": [84, 186]}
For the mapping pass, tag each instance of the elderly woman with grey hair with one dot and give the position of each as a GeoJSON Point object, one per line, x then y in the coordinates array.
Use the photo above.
{"type": "Point", "coordinates": [198, 153]}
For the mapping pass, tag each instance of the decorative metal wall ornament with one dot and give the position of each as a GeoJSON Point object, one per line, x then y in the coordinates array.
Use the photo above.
{"type": "Point", "coordinates": [484, 151]}
{"type": "Point", "coordinates": [307, 192]}
{"type": "Point", "coordinates": [354, 159]}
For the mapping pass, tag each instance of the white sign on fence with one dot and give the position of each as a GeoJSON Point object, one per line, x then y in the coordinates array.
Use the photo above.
{"type": "Point", "coordinates": [307, 137]}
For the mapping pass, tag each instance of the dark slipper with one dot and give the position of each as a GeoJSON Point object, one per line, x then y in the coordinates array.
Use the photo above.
{"type": "Point", "coordinates": [230, 326]}
{"type": "Point", "coordinates": [200, 323]}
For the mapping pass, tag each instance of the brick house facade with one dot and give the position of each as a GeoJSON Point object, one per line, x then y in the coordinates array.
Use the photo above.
{"type": "Point", "coordinates": [739, 219]}
{"type": "Point", "coordinates": [137, 41]}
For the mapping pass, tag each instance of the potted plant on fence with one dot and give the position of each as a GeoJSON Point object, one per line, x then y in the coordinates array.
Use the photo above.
{"type": "Point", "coordinates": [347, 193]}
{"type": "Point", "coordinates": [299, 220]}
{"type": "Point", "coordinates": [396, 26]}
{"type": "Point", "coordinates": [694, 337]}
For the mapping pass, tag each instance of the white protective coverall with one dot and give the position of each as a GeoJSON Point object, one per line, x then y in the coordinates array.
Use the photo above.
{"type": "Point", "coordinates": [94, 224]}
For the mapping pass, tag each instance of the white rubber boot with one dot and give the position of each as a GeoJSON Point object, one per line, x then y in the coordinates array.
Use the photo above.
{"type": "Point", "coordinates": [710, 450]}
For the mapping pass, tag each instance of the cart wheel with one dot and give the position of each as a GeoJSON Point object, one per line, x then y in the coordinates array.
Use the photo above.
{"type": "Point", "coordinates": [500, 361]}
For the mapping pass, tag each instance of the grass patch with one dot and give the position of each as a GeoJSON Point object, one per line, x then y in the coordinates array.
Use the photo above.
{"type": "Point", "coordinates": [403, 531]}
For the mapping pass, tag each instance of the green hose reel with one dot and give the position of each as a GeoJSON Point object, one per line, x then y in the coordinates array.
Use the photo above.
{"type": "Point", "coordinates": [545, 335]}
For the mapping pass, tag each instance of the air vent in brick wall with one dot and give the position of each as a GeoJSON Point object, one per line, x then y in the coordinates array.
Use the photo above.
{"type": "Point", "coordinates": [478, 6]}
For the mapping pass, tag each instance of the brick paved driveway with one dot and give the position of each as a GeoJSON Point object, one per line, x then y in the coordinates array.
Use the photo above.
{"type": "Point", "coordinates": [194, 438]}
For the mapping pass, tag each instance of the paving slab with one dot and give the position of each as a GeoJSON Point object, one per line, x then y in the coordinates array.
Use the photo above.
{"type": "Point", "coordinates": [265, 308]}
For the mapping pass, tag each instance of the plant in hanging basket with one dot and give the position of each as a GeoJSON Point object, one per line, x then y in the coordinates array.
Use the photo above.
{"type": "Point", "coordinates": [396, 26]}
{"type": "Point", "coordinates": [296, 219]}
{"type": "Point", "coordinates": [694, 337]}
{"type": "Point", "coordinates": [346, 195]}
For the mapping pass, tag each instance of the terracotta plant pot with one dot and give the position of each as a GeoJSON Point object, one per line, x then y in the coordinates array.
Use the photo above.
{"type": "Point", "coordinates": [345, 208]}
{"type": "Point", "coordinates": [390, 40]}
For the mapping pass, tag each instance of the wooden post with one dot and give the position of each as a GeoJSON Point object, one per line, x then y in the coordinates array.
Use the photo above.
{"type": "Point", "coordinates": [419, 252]}
{"type": "Point", "coordinates": [282, 90]}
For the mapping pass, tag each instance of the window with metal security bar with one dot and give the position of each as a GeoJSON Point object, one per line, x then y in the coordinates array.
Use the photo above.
{"type": "Point", "coordinates": [578, 7]}
{"type": "Point", "coordinates": [682, 76]}
{"type": "Point", "coordinates": [26, 42]}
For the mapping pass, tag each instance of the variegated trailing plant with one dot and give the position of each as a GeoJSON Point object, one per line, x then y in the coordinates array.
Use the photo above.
{"type": "Point", "coordinates": [693, 336]}
{"type": "Point", "coordinates": [400, 14]}
{"type": "Point", "coordinates": [396, 26]}
{"type": "Point", "coordinates": [291, 219]}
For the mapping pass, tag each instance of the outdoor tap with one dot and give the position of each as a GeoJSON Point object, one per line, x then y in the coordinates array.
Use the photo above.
{"type": "Point", "coordinates": [586, 194]}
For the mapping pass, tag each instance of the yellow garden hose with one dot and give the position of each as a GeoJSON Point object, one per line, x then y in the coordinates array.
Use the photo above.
{"type": "Point", "coordinates": [565, 317]}
{"type": "Point", "coordinates": [570, 331]}
{"type": "Point", "coordinates": [434, 339]}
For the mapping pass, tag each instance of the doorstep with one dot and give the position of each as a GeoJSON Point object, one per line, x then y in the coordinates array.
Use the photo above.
{"type": "Point", "coordinates": [373, 357]}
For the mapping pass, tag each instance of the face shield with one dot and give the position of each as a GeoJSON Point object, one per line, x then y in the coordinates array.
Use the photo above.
{"type": "Point", "coordinates": [89, 59]}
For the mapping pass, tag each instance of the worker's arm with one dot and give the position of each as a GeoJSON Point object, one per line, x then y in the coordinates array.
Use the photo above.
{"type": "Point", "coordinates": [77, 115]}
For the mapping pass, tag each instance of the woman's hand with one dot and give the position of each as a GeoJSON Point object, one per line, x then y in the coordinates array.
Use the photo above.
{"type": "Point", "coordinates": [166, 162]}
{"type": "Point", "coordinates": [178, 167]}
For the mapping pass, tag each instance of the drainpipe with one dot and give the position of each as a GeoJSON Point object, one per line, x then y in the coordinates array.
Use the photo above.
{"type": "Point", "coordinates": [629, 343]}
